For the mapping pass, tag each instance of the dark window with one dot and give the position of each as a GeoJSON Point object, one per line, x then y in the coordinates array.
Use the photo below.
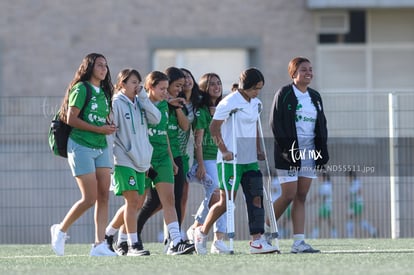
{"type": "Point", "coordinates": [356, 34]}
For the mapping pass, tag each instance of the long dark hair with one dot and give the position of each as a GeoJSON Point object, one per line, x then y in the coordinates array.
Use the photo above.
{"type": "Point", "coordinates": [204, 85]}
{"type": "Point", "coordinates": [195, 96]}
{"type": "Point", "coordinates": [84, 73]}
{"type": "Point", "coordinates": [174, 74]}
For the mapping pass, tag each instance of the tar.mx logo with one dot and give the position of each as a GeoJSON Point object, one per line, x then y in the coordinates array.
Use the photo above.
{"type": "Point", "coordinates": [298, 154]}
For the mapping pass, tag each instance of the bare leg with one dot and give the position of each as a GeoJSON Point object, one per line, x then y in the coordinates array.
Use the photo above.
{"type": "Point", "coordinates": [103, 177]}
{"type": "Point", "coordinates": [298, 206]}
{"type": "Point", "coordinates": [88, 188]}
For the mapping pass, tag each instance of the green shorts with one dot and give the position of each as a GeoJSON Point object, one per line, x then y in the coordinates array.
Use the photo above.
{"type": "Point", "coordinates": [164, 167]}
{"type": "Point", "coordinates": [228, 173]}
{"type": "Point", "coordinates": [127, 179]}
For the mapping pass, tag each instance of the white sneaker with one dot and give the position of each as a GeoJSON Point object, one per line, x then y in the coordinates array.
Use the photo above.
{"type": "Point", "coordinates": [167, 246]}
{"type": "Point", "coordinates": [200, 242]}
{"type": "Point", "coordinates": [303, 247]}
{"type": "Point", "coordinates": [102, 249]}
{"type": "Point", "coordinates": [58, 240]}
{"type": "Point", "coordinates": [219, 247]}
{"type": "Point", "coordinates": [190, 234]}
{"type": "Point", "coordinates": [268, 237]}
{"type": "Point", "coordinates": [261, 246]}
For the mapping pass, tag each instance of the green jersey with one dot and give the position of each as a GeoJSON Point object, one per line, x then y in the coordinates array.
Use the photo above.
{"type": "Point", "coordinates": [173, 132]}
{"type": "Point", "coordinates": [95, 113]}
{"type": "Point", "coordinates": [202, 121]}
{"type": "Point", "coordinates": [184, 136]}
{"type": "Point", "coordinates": [158, 132]}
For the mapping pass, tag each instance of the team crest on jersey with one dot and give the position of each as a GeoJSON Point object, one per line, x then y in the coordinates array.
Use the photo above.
{"type": "Point", "coordinates": [131, 181]}
{"type": "Point", "coordinates": [94, 106]}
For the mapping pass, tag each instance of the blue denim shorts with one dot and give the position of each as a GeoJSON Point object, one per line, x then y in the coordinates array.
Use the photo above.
{"type": "Point", "coordinates": [84, 160]}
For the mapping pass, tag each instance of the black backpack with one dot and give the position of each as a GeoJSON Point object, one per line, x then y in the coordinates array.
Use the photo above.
{"type": "Point", "coordinates": [59, 131]}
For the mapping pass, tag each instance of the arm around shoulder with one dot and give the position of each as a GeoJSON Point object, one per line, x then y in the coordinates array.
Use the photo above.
{"type": "Point", "coordinates": [152, 113]}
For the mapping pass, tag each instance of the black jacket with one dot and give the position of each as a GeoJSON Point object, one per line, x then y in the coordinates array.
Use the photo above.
{"type": "Point", "coordinates": [282, 122]}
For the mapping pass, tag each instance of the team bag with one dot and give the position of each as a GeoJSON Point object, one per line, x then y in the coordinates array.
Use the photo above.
{"type": "Point", "coordinates": [59, 131]}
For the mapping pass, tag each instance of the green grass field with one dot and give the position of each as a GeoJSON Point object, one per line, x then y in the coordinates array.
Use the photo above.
{"type": "Point", "coordinates": [339, 256]}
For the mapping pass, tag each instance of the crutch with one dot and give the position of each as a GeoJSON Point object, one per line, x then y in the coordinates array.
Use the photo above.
{"type": "Point", "coordinates": [230, 207]}
{"type": "Point", "coordinates": [268, 204]}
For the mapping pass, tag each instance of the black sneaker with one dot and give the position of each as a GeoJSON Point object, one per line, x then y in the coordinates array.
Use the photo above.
{"type": "Point", "coordinates": [122, 249]}
{"type": "Point", "coordinates": [139, 245]}
{"type": "Point", "coordinates": [182, 248]}
{"type": "Point", "coordinates": [137, 250]}
{"type": "Point", "coordinates": [167, 246]}
{"type": "Point", "coordinates": [110, 242]}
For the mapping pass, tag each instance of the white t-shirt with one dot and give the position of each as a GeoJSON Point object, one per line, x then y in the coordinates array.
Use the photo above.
{"type": "Point", "coordinates": [246, 118]}
{"type": "Point", "coordinates": [305, 120]}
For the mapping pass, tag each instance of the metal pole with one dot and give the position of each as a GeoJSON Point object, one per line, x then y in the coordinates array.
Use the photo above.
{"type": "Point", "coordinates": [394, 198]}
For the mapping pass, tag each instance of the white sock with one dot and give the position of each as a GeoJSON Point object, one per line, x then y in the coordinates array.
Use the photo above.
{"type": "Point", "coordinates": [132, 238]}
{"type": "Point", "coordinates": [174, 230]}
{"type": "Point", "coordinates": [110, 231]}
{"type": "Point", "coordinates": [122, 237]}
{"type": "Point", "coordinates": [297, 238]}
{"type": "Point", "coordinates": [184, 236]}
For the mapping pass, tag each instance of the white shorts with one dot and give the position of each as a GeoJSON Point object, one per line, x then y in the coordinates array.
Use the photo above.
{"type": "Point", "coordinates": [307, 170]}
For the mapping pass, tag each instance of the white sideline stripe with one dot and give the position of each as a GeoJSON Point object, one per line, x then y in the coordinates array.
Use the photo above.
{"type": "Point", "coordinates": [368, 251]}
{"type": "Point", "coordinates": [356, 251]}
{"type": "Point", "coordinates": [41, 256]}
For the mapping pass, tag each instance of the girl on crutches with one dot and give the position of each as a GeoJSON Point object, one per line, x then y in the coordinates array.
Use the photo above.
{"type": "Point", "coordinates": [243, 105]}
{"type": "Point", "coordinates": [271, 230]}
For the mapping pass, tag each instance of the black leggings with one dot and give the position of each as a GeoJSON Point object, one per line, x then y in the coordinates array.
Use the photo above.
{"type": "Point", "coordinates": [152, 202]}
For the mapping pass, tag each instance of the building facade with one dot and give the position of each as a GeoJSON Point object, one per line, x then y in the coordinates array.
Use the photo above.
{"type": "Point", "coordinates": [355, 46]}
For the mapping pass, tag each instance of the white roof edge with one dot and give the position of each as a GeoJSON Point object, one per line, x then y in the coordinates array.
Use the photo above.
{"type": "Point", "coordinates": [334, 4]}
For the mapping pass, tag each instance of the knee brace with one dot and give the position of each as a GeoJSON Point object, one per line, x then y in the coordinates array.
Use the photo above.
{"type": "Point", "coordinates": [256, 222]}
{"type": "Point", "coordinates": [252, 183]}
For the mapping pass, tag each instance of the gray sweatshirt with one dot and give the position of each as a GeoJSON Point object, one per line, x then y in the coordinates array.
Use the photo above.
{"type": "Point", "coordinates": [131, 146]}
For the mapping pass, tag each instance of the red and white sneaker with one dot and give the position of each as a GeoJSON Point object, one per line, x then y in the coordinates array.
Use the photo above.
{"type": "Point", "coordinates": [261, 246]}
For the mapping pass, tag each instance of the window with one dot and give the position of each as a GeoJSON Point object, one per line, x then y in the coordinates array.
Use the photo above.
{"type": "Point", "coordinates": [355, 30]}
{"type": "Point", "coordinates": [227, 63]}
